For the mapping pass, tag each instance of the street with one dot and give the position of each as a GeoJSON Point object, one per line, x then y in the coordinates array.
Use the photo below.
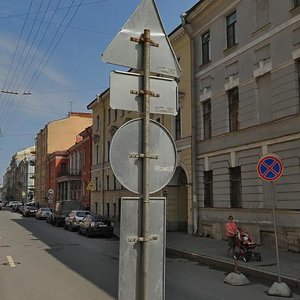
{"type": "Point", "coordinates": [40, 261]}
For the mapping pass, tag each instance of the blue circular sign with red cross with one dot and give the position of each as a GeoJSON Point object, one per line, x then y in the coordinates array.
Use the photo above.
{"type": "Point", "coordinates": [270, 167]}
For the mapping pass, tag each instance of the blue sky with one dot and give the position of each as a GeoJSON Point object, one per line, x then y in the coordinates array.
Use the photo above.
{"type": "Point", "coordinates": [52, 48]}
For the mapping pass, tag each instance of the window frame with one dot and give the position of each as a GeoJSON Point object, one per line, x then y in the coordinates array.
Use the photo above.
{"type": "Point", "coordinates": [208, 188]}
{"type": "Point", "coordinates": [178, 125]}
{"type": "Point", "coordinates": [233, 109]}
{"type": "Point", "coordinates": [235, 177]}
{"type": "Point", "coordinates": [206, 115]}
{"type": "Point", "coordinates": [206, 48]}
{"type": "Point", "coordinates": [231, 30]}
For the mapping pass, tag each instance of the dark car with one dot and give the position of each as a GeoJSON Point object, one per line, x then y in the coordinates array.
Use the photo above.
{"type": "Point", "coordinates": [29, 211]}
{"type": "Point", "coordinates": [96, 225]}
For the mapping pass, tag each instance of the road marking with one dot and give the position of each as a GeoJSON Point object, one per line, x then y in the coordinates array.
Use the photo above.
{"type": "Point", "coordinates": [10, 261]}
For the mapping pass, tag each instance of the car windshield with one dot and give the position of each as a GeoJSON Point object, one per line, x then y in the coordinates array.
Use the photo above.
{"type": "Point", "coordinates": [82, 213]}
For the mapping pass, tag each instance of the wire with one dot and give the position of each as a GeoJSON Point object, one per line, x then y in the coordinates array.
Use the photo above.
{"type": "Point", "coordinates": [17, 44]}
{"type": "Point", "coordinates": [36, 75]}
{"type": "Point", "coordinates": [12, 86]}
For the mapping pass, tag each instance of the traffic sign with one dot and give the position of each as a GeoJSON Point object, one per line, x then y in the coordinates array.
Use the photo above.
{"type": "Point", "coordinates": [127, 164]}
{"type": "Point", "coordinates": [270, 167]}
{"type": "Point", "coordinates": [162, 58]}
{"type": "Point", "coordinates": [125, 93]}
{"type": "Point", "coordinates": [50, 192]}
{"type": "Point", "coordinates": [90, 186]}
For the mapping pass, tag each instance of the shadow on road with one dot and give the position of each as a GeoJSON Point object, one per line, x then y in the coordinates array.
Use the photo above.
{"type": "Point", "coordinates": [95, 259]}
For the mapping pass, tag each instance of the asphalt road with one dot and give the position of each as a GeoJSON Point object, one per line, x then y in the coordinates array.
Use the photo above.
{"type": "Point", "coordinates": [40, 261]}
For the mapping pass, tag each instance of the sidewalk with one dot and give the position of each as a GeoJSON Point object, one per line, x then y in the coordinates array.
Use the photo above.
{"type": "Point", "coordinates": [213, 252]}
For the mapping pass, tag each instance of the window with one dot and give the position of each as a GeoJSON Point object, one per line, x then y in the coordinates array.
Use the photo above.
{"type": "Point", "coordinates": [233, 99]}
{"type": "Point", "coordinates": [109, 116]}
{"type": "Point", "coordinates": [108, 149]}
{"type": "Point", "coordinates": [208, 189]}
{"type": "Point", "coordinates": [96, 181]}
{"type": "Point", "coordinates": [107, 182]}
{"type": "Point", "coordinates": [115, 210]}
{"type": "Point", "coordinates": [235, 187]}
{"type": "Point", "coordinates": [115, 183]}
{"type": "Point", "coordinates": [207, 119]}
{"type": "Point", "coordinates": [262, 13]}
{"type": "Point", "coordinates": [231, 30]}
{"type": "Point", "coordinates": [206, 47]}
{"type": "Point", "coordinates": [158, 119]}
{"type": "Point", "coordinates": [178, 125]}
{"type": "Point", "coordinates": [97, 123]}
{"type": "Point", "coordinates": [296, 3]}
{"type": "Point", "coordinates": [97, 154]}
{"type": "Point", "coordinates": [298, 71]}
{"type": "Point", "coordinates": [107, 209]}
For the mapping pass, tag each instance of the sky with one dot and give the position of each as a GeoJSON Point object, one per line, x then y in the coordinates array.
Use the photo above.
{"type": "Point", "coordinates": [51, 51]}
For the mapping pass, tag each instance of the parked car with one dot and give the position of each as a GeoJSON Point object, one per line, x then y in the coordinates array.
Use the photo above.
{"type": "Point", "coordinates": [42, 213]}
{"type": "Point", "coordinates": [49, 217]}
{"type": "Point", "coordinates": [96, 225]}
{"type": "Point", "coordinates": [29, 211]}
{"type": "Point", "coordinates": [17, 207]}
{"type": "Point", "coordinates": [62, 210]}
{"type": "Point", "coordinates": [73, 219]}
{"type": "Point", "coordinates": [12, 203]}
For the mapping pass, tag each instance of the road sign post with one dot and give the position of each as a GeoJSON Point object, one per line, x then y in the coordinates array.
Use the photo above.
{"type": "Point", "coordinates": [270, 168]}
{"type": "Point", "coordinates": [135, 37]}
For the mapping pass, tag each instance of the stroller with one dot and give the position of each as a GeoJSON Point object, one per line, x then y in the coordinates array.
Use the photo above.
{"type": "Point", "coordinates": [245, 246]}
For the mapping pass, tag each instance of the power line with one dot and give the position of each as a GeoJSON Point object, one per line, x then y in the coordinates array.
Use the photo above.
{"type": "Point", "coordinates": [35, 77]}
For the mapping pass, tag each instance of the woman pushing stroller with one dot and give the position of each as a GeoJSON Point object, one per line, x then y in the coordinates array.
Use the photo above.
{"type": "Point", "coordinates": [231, 232]}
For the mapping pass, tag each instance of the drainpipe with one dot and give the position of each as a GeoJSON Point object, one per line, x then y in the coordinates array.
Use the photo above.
{"type": "Point", "coordinates": [196, 220]}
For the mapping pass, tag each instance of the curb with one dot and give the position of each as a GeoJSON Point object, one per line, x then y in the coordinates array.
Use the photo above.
{"type": "Point", "coordinates": [229, 266]}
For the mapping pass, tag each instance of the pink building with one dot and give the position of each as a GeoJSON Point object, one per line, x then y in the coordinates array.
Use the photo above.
{"type": "Point", "coordinates": [69, 171]}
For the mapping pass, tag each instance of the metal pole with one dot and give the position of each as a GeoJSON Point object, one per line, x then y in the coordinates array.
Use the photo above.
{"type": "Point", "coordinates": [275, 232]}
{"type": "Point", "coordinates": [146, 127]}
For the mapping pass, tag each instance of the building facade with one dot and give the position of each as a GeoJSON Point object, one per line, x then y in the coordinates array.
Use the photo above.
{"type": "Point", "coordinates": [18, 181]}
{"type": "Point", "coordinates": [58, 135]}
{"type": "Point", "coordinates": [74, 171]}
{"type": "Point", "coordinates": [246, 102]}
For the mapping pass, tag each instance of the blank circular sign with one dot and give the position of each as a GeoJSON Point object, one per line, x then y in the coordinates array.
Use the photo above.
{"type": "Point", "coordinates": [127, 147]}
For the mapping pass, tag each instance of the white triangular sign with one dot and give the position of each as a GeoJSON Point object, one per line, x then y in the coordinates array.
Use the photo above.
{"type": "Point", "coordinates": [124, 52]}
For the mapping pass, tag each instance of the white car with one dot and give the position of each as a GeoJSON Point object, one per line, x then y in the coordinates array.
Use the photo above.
{"type": "Point", "coordinates": [11, 204]}
{"type": "Point", "coordinates": [72, 221]}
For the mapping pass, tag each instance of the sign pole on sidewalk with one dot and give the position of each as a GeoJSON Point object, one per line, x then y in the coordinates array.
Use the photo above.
{"type": "Point", "coordinates": [270, 168]}
{"type": "Point", "coordinates": [146, 126]}
{"type": "Point", "coordinates": [275, 230]}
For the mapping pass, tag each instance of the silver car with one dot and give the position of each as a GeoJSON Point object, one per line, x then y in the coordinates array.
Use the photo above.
{"type": "Point", "coordinates": [73, 219]}
{"type": "Point", "coordinates": [42, 213]}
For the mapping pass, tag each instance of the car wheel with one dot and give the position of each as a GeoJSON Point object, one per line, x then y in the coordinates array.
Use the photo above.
{"type": "Point", "coordinates": [88, 233]}
{"type": "Point", "coordinates": [79, 231]}
{"type": "Point", "coordinates": [71, 227]}
{"type": "Point", "coordinates": [257, 257]}
{"type": "Point", "coordinates": [66, 226]}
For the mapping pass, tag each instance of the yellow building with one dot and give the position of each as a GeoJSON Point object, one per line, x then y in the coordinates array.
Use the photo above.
{"type": "Point", "coordinates": [57, 135]}
{"type": "Point", "coordinates": [107, 191]}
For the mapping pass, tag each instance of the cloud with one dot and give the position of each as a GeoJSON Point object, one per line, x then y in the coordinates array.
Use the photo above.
{"type": "Point", "coordinates": [27, 66]}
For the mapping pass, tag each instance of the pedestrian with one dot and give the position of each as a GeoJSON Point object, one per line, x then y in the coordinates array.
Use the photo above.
{"type": "Point", "coordinates": [231, 232]}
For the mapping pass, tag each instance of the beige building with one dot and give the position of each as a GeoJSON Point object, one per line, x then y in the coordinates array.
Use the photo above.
{"type": "Point", "coordinates": [107, 191]}
{"type": "Point", "coordinates": [57, 135]}
{"type": "Point", "coordinates": [246, 105]}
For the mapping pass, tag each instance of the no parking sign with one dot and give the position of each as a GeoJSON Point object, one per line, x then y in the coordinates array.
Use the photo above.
{"type": "Point", "coordinates": [270, 167]}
